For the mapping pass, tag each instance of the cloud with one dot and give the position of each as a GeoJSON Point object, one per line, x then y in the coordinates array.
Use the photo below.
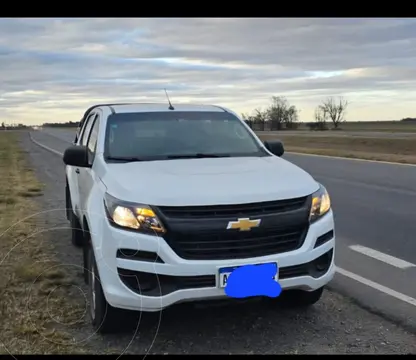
{"type": "Point", "coordinates": [52, 69]}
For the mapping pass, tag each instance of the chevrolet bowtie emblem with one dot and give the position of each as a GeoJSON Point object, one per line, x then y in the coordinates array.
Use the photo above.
{"type": "Point", "coordinates": [243, 224]}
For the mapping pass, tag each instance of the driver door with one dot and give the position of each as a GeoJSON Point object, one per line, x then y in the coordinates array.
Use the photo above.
{"type": "Point", "coordinates": [73, 172]}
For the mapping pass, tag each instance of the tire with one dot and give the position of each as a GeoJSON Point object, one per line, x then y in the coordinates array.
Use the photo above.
{"type": "Point", "coordinates": [67, 202]}
{"type": "Point", "coordinates": [77, 234]}
{"type": "Point", "coordinates": [300, 298]}
{"type": "Point", "coordinates": [105, 319]}
{"type": "Point", "coordinates": [85, 261]}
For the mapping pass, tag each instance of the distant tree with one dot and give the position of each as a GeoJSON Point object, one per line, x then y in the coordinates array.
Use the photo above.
{"type": "Point", "coordinates": [292, 118]}
{"type": "Point", "coordinates": [320, 119]}
{"type": "Point", "coordinates": [3, 125]}
{"type": "Point", "coordinates": [70, 124]}
{"type": "Point", "coordinates": [408, 120]}
{"type": "Point", "coordinates": [276, 112]}
{"type": "Point", "coordinates": [260, 117]}
{"type": "Point", "coordinates": [280, 113]}
{"type": "Point", "coordinates": [334, 110]}
{"type": "Point", "coordinates": [248, 119]}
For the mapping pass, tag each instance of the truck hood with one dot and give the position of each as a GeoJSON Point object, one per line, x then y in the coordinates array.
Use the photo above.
{"type": "Point", "coordinates": [208, 181]}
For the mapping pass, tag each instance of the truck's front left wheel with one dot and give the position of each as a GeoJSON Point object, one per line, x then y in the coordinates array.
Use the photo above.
{"type": "Point", "coordinates": [105, 318]}
{"type": "Point", "coordinates": [77, 235]}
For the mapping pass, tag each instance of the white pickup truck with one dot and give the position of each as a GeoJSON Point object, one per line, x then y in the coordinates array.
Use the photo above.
{"type": "Point", "coordinates": [163, 199]}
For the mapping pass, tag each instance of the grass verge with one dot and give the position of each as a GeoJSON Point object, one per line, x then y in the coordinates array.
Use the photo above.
{"type": "Point", "coordinates": [380, 149]}
{"type": "Point", "coordinates": [35, 310]}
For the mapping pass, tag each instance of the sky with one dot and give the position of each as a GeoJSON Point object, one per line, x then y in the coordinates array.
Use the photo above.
{"type": "Point", "coordinates": [52, 70]}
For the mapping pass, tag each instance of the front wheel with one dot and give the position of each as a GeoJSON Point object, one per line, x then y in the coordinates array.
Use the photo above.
{"type": "Point", "coordinates": [301, 298]}
{"type": "Point", "coordinates": [77, 234]}
{"type": "Point", "coordinates": [104, 318]}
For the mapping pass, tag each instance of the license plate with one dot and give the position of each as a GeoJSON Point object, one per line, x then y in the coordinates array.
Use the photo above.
{"type": "Point", "coordinates": [226, 272]}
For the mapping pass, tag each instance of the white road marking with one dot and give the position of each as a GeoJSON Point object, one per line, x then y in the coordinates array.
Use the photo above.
{"type": "Point", "coordinates": [45, 147]}
{"type": "Point", "coordinates": [358, 278]}
{"type": "Point", "coordinates": [377, 286]}
{"type": "Point", "coordinates": [388, 259]}
{"type": "Point", "coordinates": [352, 159]}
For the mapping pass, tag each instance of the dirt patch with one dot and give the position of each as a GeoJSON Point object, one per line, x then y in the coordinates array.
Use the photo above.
{"type": "Point", "coordinates": [35, 309]}
{"type": "Point", "coordinates": [381, 149]}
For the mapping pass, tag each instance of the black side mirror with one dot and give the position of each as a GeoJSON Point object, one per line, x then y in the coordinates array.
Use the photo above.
{"type": "Point", "coordinates": [275, 147]}
{"type": "Point", "coordinates": [76, 156]}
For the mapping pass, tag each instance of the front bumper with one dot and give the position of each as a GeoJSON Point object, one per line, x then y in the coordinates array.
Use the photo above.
{"type": "Point", "coordinates": [194, 280]}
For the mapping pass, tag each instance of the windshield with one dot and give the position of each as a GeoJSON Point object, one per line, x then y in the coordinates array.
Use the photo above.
{"type": "Point", "coordinates": [175, 135]}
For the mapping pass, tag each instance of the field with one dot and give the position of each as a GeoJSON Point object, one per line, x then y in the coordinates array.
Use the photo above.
{"type": "Point", "coordinates": [33, 289]}
{"type": "Point", "coordinates": [378, 126]}
{"type": "Point", "coordinates": [393, 149]}
{"type": "Point", "coordinates": [382, 141]}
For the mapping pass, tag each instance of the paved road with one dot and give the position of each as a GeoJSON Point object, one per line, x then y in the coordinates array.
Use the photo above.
{"type": "Point", "coordinates": [374, 207]}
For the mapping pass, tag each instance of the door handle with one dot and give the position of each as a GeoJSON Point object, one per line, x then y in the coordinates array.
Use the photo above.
{"type": "Point", "coordinates": [77, 171]}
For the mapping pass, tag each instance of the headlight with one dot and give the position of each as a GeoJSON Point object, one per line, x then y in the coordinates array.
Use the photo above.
{"type": "Point", "coordinates": [321, 204]}
{"type": "Point", "coordinates": [132, 216]}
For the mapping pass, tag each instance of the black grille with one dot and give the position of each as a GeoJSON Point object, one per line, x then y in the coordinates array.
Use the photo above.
{"type": "Point", "coordinates": [236, 244]}
{"type": "Point", "coordinates": [240, 210]}
{"type": "Point", "coordinates": [200, 232]}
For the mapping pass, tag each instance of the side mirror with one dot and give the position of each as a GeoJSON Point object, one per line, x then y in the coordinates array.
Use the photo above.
{"type": "Point", "coordinates": [76, 156]}
{"type": "Point", "coordinates": [275, 147]}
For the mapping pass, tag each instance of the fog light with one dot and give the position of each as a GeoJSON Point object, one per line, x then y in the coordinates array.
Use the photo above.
{"type": "Point", "coordinates": [322, 262]}
{"type": "Point", "coordinates": [138, 281]}
{"type": "Point", "coordinates": [321, 265]}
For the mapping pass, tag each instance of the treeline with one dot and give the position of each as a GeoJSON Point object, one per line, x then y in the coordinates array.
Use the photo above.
{"type": "Point", "coordinates": [281, 115]}
{"type": "Point", "coordinates": [5, 126]}
{"type": "Point", "coordinates": [408, 120]}
{"type": "Point", "coordinates": [62, 125]}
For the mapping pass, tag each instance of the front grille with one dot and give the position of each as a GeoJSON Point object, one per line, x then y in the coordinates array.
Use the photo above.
{"type": "Point", "coordinates": [200, 232]}
{"type": "Point", "coordinates": [235, 244]}
{"type": "Point", "coordinates": [239, 210]}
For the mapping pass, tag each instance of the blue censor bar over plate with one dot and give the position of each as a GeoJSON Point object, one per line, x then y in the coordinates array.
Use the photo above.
{"type": "Point", "coordinates": [253, 280]}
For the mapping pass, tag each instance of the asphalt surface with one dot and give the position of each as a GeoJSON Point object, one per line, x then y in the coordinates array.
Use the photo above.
{"type": "Point", "coordinates": [373, 208]}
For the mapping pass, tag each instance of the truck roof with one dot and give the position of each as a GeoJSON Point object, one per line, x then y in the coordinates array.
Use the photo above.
{"type": "Point", "coordinates": [148, 107]}
{"type": "Point", "coordinates": [145, 107]}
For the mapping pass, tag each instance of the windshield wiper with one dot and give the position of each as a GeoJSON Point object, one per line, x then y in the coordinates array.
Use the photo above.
{"type": "Point", "coordinates": [197, 156]}
{"type": "Point", "coordinates": [124, 159]}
